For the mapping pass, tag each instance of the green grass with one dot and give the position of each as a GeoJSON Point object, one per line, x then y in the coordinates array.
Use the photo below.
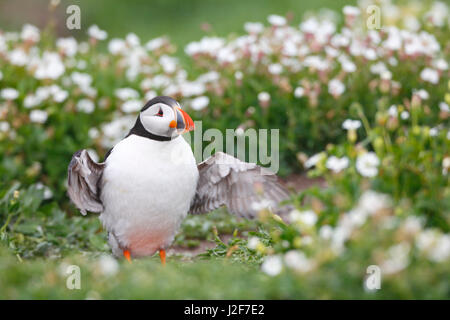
{"type": "Point", "coordinates": [179, 19]}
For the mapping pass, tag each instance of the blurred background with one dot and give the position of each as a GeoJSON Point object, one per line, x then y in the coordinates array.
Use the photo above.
{"type": "Point", "coordinates": [364, 138]}
{"type": "Point", "coordinates": [183, 21]}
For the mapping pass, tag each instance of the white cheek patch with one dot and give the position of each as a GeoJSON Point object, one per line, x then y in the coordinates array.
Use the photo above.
{"type": "Point", "coordinates": [158, 125]}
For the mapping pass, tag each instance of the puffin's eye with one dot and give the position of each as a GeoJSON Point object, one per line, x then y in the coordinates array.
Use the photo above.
{"type": "Point", "coordinates": [160, 113]}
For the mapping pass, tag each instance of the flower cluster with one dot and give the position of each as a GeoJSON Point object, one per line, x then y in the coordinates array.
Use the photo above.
{"type": "Point", "coordinates": [305, 77]}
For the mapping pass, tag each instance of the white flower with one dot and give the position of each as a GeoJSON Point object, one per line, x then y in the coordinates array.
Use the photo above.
{"type": "Point", "coordinates": [378, 68]}
{"type": "Point", "coordinates": [440, 64]}
{"type": "Point", "coordinates": [126, 93]}
{"type": "Point", "coordinates": [350, 124]}
{"type": "Point", "coordinates": [297, 260]}
{"type": "Point", "coordinates": [276, 20]}
{"type": "Point", "coordinates": [397, 258]}
{"type": "Point", "coordinates": [49, 67]}
{"type": "Point", "coordinates": [313, 160]}
{"type": "Point", "coordinates": [445, 165]}
{"type": "Point", "coordinates": [253, 27]}
{"type": "Point", "coordinates": [114, 131]}
{"type": "Point", "coordinates": [133, 40]}
{"type": "Point", "coordinates": [207, 45]}
{"type": "Point", "coordinates": [155, 44]}
{"type": "Point", "coordinates": [272, 265]}
{"type": "Point", "coordinates": [86, 106]}
{"type": "Point", "coordinates": [38, 116]}
{"type": "Point", "coordinates": [392, 111]}
{"type": "Point", "coordinates": [336, 87]}
{"type": "Point", "coordinates": [9, 94]}
{"type": "Point", "coordinates": [371, 202]}
{"type": "Point", "coordinates": [299, 92]}
{"type": "Point", "coordinates": [95, 32]}
{"type": "Point", "coordinates": [412, 225]}
{"type": "Point", "coordinates": [68, 46]}
{"type": "Point", "coordinates": [438, 13]}
{"type": "Point", "coordinates": [351, 11]}
{"type": "Point", "coordinates": [83, 80]}
{"type": "Point", "coordinates": [347, 65]}
{"type": "Point", "coordinates": [108, 265]}
{"type": "Point", "coordinates": [199, 103]}
{"type": "Point", "coordinates": [4, 126]}
{"type": "Point", "coordinates": [367, 164]}
{"type": "Point", "coordinates": [337, 164]}
{"type": "Point", "coordinates": [31, 101]}
{"type": "Point", "coordinates": [307, 217]}
{"type": "Point", "coordinates": [169, 64]}
{"type": "Point", "coordinates": [18, 57]}
{"type": "Point", "coordinates": [423, 94]}
{"type": "Point", "coordinates": [238, 75]}
{"type": "Point", "coordinates": [253, 242]}
{"type": "Point", "coordinates": [30, 33]}
{"type": "Point", "coordinates": [116, 46]}
{"type": "Point", "coordinates": [93, 133]}
{"type": "Point", "coordinates": [263, 96]}
{"type": "Point", "coordinates": [430, 75]}
{"type": "Point", "coordinates": [404, 115]}
{"type": "Point", "coordinates": [275, 68]}
{"type": "Point", "coordinates": [60, 96]}
{"type": "Point", "coordinates": [263, 203]}
{"type": "Point", "coordinates": [434, 132]}
{"type": "Point", "coordinates": [326, 232]}
{"type": "Point", "coordinates": [150, 95]}
{"type": "Point", "coordinates": [444, 107]}
{"type": "Point", "coordinates": [48, 194]}
{"type": "Point", "coordinates": [441, 250]}
{"type": "Point", "coordinates": [131, 106]}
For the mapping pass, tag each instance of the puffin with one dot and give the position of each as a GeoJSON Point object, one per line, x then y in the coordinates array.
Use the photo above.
{"type": "Point", "coordinates": [149, 182]}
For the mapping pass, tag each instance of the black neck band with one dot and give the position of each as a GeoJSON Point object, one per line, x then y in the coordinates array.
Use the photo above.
{"type": "Point", "coordinates": [139, 130]}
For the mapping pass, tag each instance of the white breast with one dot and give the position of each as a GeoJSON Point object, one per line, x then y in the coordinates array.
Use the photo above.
{"type": "Point", "coordinates": [147, 189]}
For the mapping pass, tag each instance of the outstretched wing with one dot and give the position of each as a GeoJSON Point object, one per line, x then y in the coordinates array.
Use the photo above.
{"type": "Point", "coordinates": [83, 177]}
{"type": "Point", "coordinates": [245, 188]}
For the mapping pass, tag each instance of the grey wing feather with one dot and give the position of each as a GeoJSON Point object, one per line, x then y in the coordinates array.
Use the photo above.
{"type": "Point", "coordinates": [83, 177]}
{"type": "Point", "coordinates": [245, 188]}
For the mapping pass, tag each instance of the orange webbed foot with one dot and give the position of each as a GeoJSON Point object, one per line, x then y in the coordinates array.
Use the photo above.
{"type": "Point", "coordinates": [162, 255]}
{"type": "Point", "coordinates": [127, 255]}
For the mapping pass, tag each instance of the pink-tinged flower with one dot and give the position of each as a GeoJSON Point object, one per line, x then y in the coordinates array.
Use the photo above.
{"type": "Point", "coordinates": [30, 33]}
{"type": "Point", "coordinates": [68, 46]}
{"type": "Point", "coordinates": [264, 99]}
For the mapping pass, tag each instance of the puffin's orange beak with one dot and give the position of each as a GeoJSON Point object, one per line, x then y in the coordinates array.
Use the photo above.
{"type": "Point", "coordinates": [183, 123]}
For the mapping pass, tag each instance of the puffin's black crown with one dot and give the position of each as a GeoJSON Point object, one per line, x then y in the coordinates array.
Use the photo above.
{"type": "Point", "coordinates": [139, 130]}
{"type": "Point", "coordinates": [161, 99]}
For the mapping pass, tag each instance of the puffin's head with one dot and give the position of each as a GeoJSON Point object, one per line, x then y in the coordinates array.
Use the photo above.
{"type": "Point", "coordinates": [162, 116]}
